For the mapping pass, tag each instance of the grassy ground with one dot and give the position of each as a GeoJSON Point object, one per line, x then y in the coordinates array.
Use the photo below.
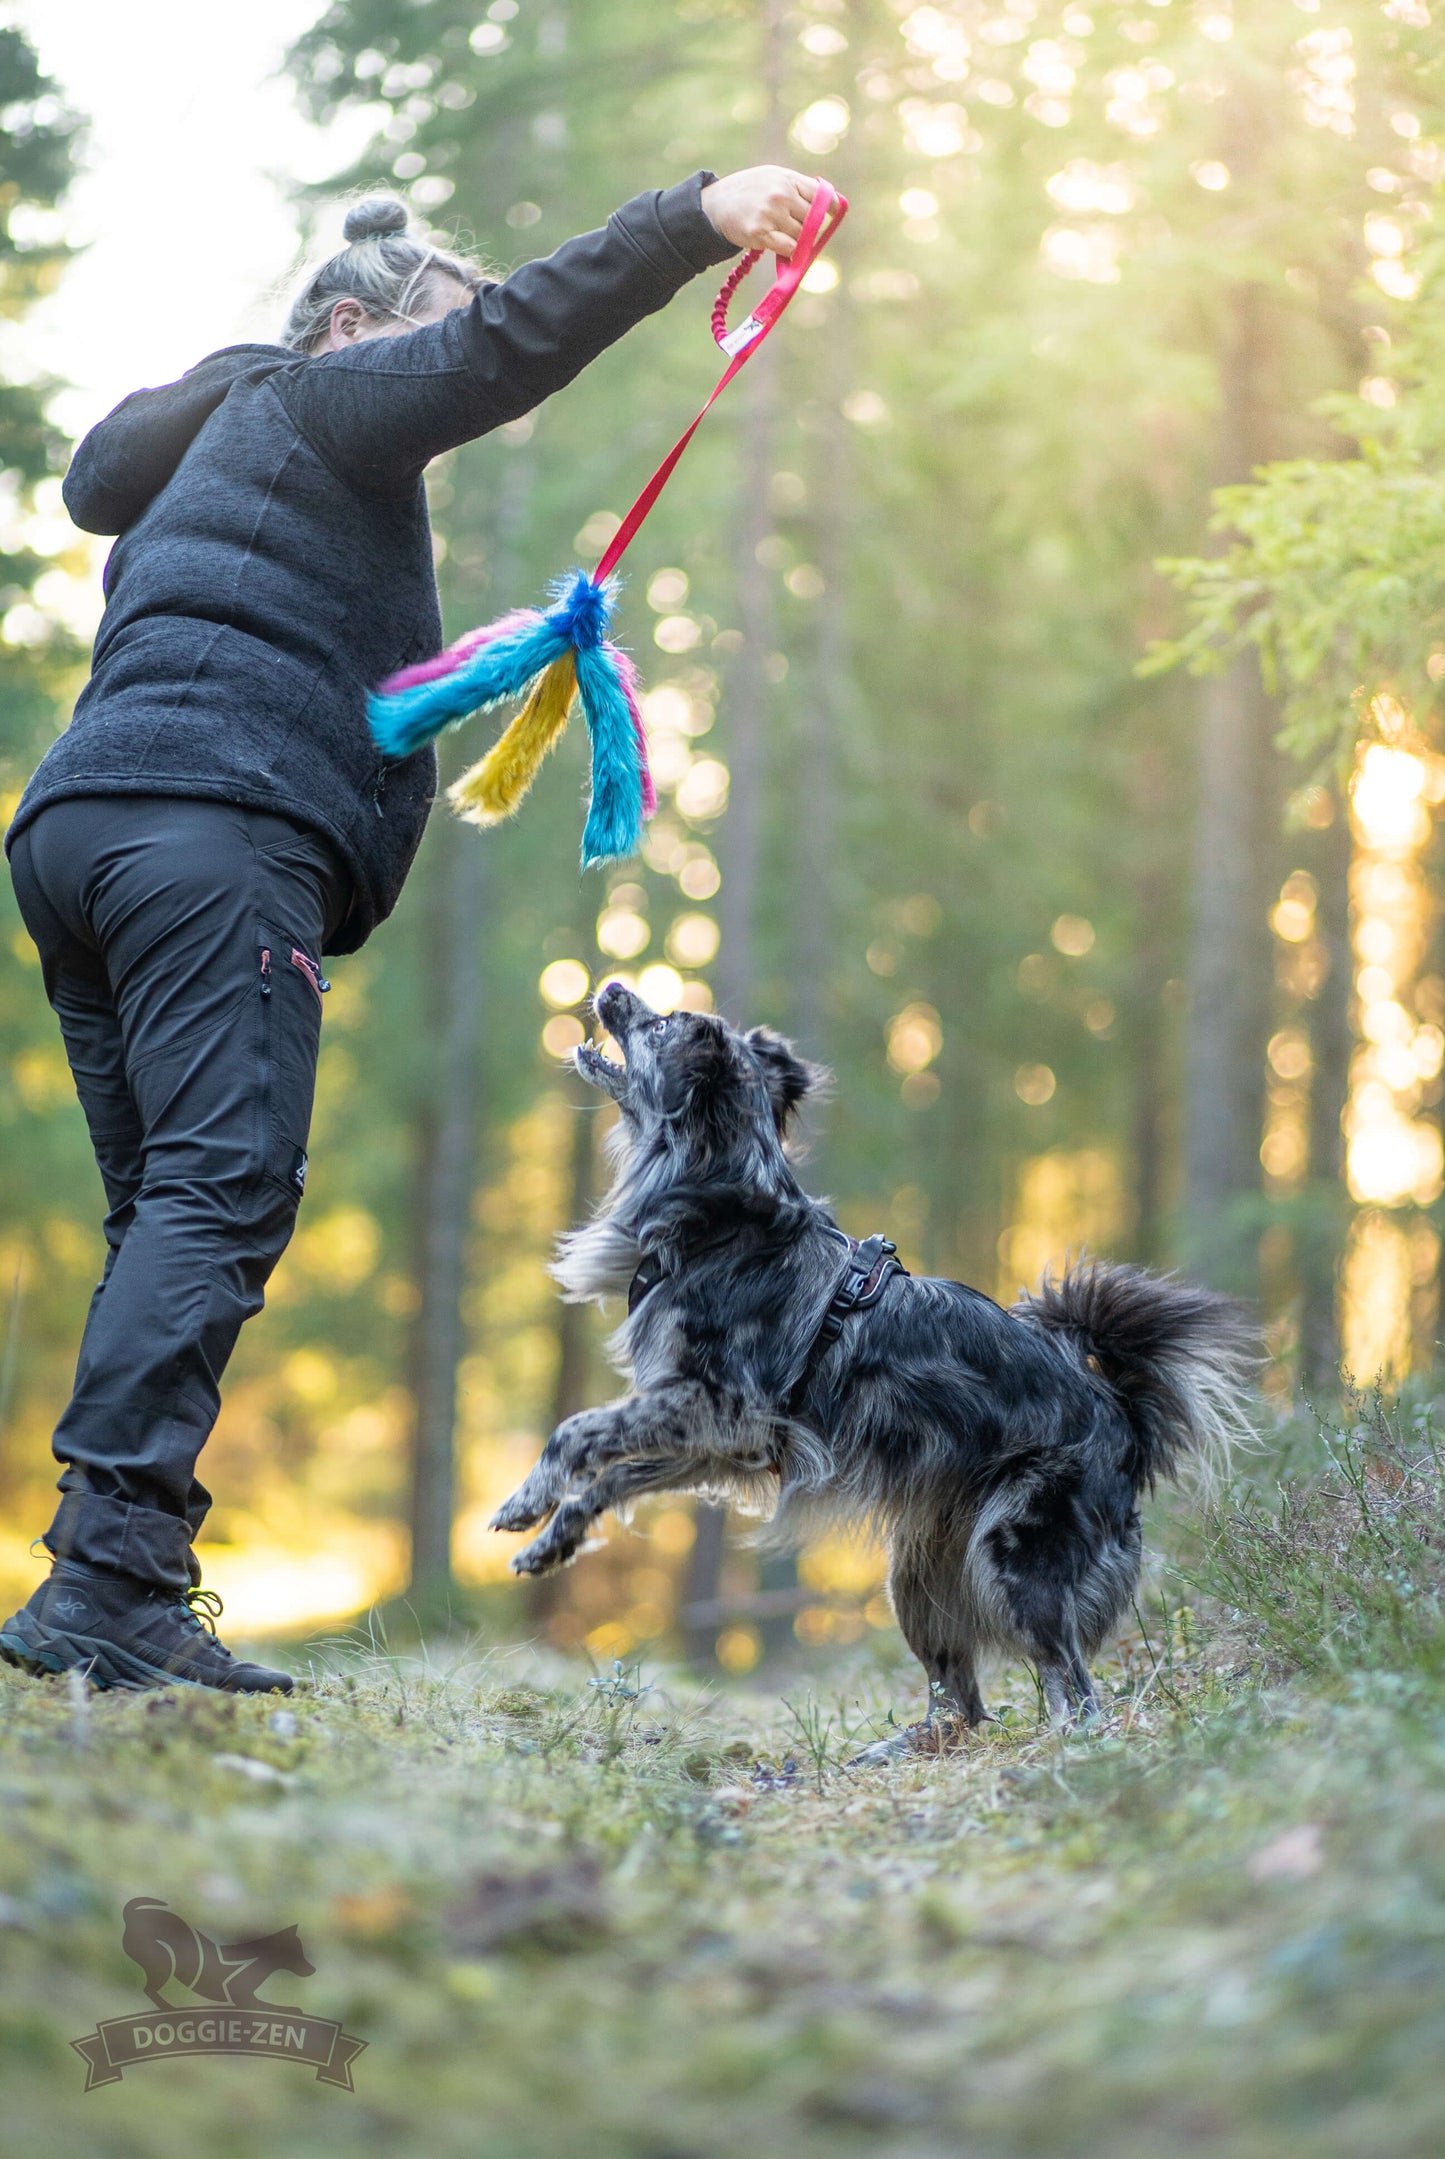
{"type": "Point", "coordinates": [631, 1918]}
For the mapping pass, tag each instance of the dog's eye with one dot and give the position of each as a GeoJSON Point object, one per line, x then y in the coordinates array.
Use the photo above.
{"type": "Point", "coordinates": [660, 1027]}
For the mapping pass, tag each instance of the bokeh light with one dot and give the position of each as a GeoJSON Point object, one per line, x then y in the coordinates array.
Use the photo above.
{"type": "Point", "coordinates": [562, 1034]}
{"type": "Point", "coordinates": [563, 983]}
{"type": "Point", "coordinates": [693, 940]}
{"type": "Point", "coordinates": [703, 793]}
{"type": "Point", "coordinates": [1073, 935]}
{"type": "Point", "coordinates": [821, 128]}
{"type": "Point", "coordinates": [915, 1037]}
{"type": "Point", "coordinates": [666, 591]}
{"type": "Point", "coordinates": [1035, 1084]}
{"type": "Point", "coordinates": [622, 932]}
{"type": "Point", "coordinates": [660, 986]}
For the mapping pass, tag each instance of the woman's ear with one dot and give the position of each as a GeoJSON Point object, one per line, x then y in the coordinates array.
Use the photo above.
{"type": "Point", "coordinates": [347, 320]}
{"type": "Point", "coordinates": [788, 1077]}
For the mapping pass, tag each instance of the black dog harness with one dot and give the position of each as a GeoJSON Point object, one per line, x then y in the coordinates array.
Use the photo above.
{"type": "Point", "coordinates": [871, 1265]}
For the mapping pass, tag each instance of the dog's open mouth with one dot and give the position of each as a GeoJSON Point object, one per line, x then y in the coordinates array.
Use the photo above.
{"type": "Point", "coordinates": [618, 1011]}
{"type": "Point", "coordinates": [599, 1070]}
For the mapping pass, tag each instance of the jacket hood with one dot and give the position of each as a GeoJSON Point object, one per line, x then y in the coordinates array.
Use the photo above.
{"type": "Point", "coordinates": [128, 457]}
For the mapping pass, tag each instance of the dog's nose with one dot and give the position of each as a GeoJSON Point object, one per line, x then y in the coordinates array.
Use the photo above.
{"type": "Point", "coordinates": [614, 1004]}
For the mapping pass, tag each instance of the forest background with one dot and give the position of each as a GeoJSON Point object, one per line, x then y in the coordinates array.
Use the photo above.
{"type": "Point", "coordinates": [1108, 890]}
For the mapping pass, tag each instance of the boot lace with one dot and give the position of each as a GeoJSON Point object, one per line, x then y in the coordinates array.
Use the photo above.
{"type": "Point", "coordinates": [203, 1609]}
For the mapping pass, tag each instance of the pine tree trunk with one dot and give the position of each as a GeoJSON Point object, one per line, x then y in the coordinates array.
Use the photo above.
{"type": "Point", "coordinates": [449, 1164]}
{"type": "Point", "coordinates": [1330, 1046]}
{"type": "Point", "coordinates": [1150, 972]}
{"type": "Point", "coordinates": [1237, 845]}
{"type": "Point", "coordinates": [747, 709]}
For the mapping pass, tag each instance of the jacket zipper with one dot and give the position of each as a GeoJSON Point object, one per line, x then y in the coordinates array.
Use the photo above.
{"type": "Point", "coordinates": [263, 1091]}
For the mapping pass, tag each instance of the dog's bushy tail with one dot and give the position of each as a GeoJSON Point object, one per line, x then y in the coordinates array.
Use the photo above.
{"type": "Point", "coordinates": [1180, 1358]}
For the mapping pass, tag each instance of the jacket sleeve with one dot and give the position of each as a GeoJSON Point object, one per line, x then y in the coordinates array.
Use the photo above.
{"type": "Point", "coordinates": [380, 410]}
{"type": "Point", "coordinates": [127, 458]}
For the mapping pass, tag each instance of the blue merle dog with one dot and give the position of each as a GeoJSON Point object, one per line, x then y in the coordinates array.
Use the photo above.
{"type": "Point", "coordinates": [1002, 1453]}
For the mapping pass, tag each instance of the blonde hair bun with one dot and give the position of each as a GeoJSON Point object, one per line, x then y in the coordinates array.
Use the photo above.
{"type": "Point", "coordinates": [390, 279]}
{"type": "Point", "coordinates": [373, 216]}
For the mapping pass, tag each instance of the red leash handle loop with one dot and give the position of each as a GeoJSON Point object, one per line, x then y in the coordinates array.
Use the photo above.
{"type": "Point", "coordinates": [723, 301]}
{"type": "Point", "coordinates": [826, 213]}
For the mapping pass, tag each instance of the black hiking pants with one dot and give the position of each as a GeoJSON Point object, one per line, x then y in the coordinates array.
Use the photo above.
{"type": "Point", "coordinates": [181, 947]}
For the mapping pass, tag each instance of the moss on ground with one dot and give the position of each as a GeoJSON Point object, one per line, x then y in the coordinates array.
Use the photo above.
{"type": "Point", "coordinates": [632, 1918]}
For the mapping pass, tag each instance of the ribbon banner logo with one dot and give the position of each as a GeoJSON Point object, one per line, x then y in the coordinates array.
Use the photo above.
{"type": "Point", "coordinates": [225, 1976]}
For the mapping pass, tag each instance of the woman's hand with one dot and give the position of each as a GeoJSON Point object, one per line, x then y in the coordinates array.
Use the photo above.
{"type": "Point", "coordinates": [761, 207]}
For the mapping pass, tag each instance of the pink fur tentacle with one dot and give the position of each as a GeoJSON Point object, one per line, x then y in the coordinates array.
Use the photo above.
{"type": "Point", "coordinates": [444, 663]}
{"type": "Point", "coordinates": [628, 677]}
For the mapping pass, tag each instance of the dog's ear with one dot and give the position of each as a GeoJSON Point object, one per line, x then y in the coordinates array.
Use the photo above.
{"type": "Point", "coordinates": [788, 1076]}
{"type": "Point", "coordinates": [709, 1065]}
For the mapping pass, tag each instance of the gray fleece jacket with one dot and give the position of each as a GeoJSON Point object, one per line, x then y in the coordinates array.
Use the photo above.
{"type": "Point", "coordinates": [274, 559]}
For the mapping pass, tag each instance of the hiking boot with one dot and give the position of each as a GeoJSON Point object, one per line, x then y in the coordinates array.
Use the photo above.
{"type": "Point", "coordinates": [125, 1633]}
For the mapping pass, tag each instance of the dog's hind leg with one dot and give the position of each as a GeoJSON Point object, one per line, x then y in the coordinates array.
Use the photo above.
{"type": "Point", "coordinates": [934, 1610]}
{"type": "Point", "coordinates": [1068, 1689]}
{"type": "Point", "coordinates": [1037, 1565]}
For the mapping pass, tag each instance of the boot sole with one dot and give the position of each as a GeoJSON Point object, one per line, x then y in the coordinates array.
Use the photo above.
{"type": "Point", "coordinates": [46, 1654]}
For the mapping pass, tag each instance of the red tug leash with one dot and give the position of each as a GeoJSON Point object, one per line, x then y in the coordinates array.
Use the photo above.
{"type": "Point", "coordinates": [826, 213]}
{"type": "Point", "coordinates": [551, 658]}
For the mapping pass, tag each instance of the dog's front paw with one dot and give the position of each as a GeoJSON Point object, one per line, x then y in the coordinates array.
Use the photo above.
{"type": "Point", "coordinates": [534, 1560]}
{"type": "Point", "coordinates": [560, 1543]}
{"type": "Point", "coordinates": [546, 1555]}
{"type": "Point", "coordinates": [524, 1510]}
{"type": "Point", "coordinates": [578, 1440]}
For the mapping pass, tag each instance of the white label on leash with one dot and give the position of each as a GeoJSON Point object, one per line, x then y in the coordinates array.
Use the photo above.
{"type": "Point", "coordinates": [739, 339]}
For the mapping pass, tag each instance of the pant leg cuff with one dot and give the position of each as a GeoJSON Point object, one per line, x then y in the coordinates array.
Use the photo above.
{"type": "Point", "coordinates": [139, 1541]}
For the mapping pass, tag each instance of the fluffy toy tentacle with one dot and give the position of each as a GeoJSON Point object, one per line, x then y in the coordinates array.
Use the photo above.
{"type": "Point", "coordinates": [553, 657]}
{"type": "Point", "coordinates": [493, 788]}
{"type": "Point", "coordinates": [627, 676]}
{"type": "Point", "coordinates": [614, 819]}
{"type": "Point", "coordinates": [443, 663]}
{"type": "Point", "coordinates": [405, 719]}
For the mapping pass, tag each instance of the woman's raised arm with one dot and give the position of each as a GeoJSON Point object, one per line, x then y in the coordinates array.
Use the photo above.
{"type": "Point", "coordinates": [379, 410]}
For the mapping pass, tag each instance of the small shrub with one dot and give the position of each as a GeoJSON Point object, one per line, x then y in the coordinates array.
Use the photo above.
{"type": "Point", "coordinates": [1342, 1564]}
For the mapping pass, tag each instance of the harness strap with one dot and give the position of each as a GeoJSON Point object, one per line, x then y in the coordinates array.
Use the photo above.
{"type": "Point", "coordinates": [647, 1277]}
{"type": "Point", "coordinates": [871, 1266]}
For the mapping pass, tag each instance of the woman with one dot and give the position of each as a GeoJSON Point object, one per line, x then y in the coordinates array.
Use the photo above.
{"type": "Point", "coordinates": [215, 821]}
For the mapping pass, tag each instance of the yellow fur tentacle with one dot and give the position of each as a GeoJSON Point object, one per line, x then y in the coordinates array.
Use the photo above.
{"type": "Point", "coordinates": [491, 790]}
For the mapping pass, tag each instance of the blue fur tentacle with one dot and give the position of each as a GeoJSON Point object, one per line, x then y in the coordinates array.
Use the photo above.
{"type": "Point", "coordinates": [614, 820]}
{"type": "Point", "coordinates": [405, 720]}
{"type": "Point", "coordinates": [583, 608]}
